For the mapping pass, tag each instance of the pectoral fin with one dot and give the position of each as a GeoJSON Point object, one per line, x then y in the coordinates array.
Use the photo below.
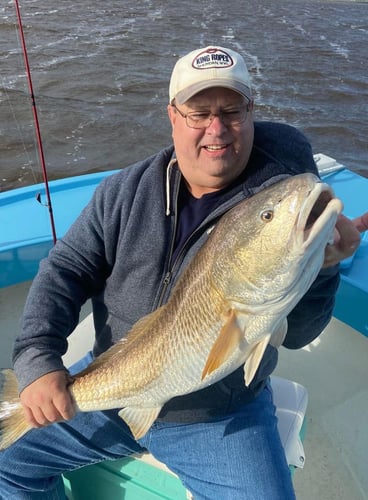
{"type": "Point", "coordinates": [139, 419]}
{"type": "Point", "coordinates": [254, 359]}
{"type": "Point", "coordinates": [227, 341]}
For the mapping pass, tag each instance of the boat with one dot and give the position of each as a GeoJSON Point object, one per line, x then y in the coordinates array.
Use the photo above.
{"type": "Point", "coordinates": [321, 390]}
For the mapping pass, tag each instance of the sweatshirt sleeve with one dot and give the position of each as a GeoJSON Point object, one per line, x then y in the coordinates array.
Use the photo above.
{"type": "Point", "coordinates": [75, 269]}
{"type": "Point", "coordinates": [312, 314]}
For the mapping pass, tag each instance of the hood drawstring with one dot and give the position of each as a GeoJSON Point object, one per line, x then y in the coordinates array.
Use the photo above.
{"type": "Point", "coordinates": [168, 176]}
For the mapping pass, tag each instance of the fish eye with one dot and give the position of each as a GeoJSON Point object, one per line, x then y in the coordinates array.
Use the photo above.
{"type": "Point", "coordinates": [267, 215]}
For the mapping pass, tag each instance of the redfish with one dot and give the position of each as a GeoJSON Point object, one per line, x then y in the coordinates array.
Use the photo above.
{"type": "Point", "coordinates": [228, 305]}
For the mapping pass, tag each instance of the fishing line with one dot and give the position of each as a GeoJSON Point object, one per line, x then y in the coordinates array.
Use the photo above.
{"type": "Point", "coordinates": [20, 135]}
{"type": "Point", "coordinates": [48, 203]}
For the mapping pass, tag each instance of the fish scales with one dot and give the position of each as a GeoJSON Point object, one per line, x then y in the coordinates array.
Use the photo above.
{"type": "Point", "coordinates": [174, 329]}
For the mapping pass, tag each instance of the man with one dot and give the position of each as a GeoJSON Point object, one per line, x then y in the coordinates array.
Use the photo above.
{"type": "Point", "coordinates": [126, 251]}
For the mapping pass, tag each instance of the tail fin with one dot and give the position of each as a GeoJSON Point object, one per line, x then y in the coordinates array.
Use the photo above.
{"type": "Point", "coordinates": [12, 422]}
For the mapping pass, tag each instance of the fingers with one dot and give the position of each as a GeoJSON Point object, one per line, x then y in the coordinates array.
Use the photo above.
{"type": "Point", "coordinates": [346, 241]}
{"type": "Point", "coordinates": [349, 236]}
{"type": "Point", "coordinates": [49, 412]}
{"type": "Point", "coordinates": [47, 400]}
{"type": "Point", "coordinates": [361, 222]}
{"type": "Point", "coordinates": [41, 416]}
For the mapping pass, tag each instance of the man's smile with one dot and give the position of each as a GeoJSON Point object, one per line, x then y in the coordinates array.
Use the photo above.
{"type": "Point", "coordinates": [215, 147]}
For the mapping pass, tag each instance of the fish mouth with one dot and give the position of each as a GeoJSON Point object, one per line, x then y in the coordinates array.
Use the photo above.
{"type": "Point", "coordinates": [318, 215]}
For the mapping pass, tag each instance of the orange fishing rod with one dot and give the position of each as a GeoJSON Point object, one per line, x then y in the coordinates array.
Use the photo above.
{"type": "Point", "coordinates": [36, 122]}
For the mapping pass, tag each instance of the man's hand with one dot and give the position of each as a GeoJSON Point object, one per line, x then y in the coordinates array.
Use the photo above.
{"type": "Point", "coordinates": [48, 400]}
{"type": "Point", "coordinates": [347, 239]}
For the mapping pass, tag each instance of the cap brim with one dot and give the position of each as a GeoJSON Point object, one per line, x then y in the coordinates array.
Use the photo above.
{"type": "Point", "coordinates": [182, 96]}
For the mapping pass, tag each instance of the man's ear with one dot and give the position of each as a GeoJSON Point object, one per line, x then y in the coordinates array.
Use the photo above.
{"type": "Point", "coordinates": [172, 114]}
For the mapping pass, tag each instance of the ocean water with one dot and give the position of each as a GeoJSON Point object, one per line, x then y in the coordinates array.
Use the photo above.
{"type": "Point", "coordinates": [100, 74]}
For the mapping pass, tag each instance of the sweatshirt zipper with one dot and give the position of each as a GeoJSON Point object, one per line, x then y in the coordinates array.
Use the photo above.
{"type": "Point", "coordinates": [167, 277]}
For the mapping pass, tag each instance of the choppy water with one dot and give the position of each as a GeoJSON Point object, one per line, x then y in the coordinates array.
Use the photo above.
{"type": "Point", "coordinates": [101, 69]}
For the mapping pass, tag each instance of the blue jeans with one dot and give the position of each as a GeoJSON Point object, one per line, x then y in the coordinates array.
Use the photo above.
{"type": "Point", "coordinates": [232, 458]}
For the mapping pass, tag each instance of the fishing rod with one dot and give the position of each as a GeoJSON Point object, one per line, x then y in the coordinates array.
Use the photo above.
{"type": "Point", "coordinates": [36, 123]}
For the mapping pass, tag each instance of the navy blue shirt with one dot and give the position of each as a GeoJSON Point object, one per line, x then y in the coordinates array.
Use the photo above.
{"type": "Point", "coordinates": [192, 212]}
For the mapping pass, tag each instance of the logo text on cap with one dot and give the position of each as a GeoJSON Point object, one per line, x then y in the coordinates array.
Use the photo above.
{"type": "Point", "coordinates": [212, 58]}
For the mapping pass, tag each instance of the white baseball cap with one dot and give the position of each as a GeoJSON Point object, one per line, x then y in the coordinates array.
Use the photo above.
{"type": "Point", "coordinates": [209, 67]}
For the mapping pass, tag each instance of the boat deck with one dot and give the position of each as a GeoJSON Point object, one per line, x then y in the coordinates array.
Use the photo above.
{"type": "Point", "coordinates": [334, 369]}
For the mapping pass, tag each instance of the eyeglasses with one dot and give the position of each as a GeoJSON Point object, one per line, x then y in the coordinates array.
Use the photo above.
{"type": "Point", "coordinates": [203, 119]}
